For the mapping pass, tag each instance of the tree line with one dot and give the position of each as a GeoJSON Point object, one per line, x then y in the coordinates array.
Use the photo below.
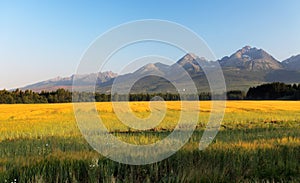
{"type": "Point", "coordinates": [274, 91]}
{"type": "Point", "coordinates": [270, 91]}
{"type": "Point", "coordinates": [65, 96]}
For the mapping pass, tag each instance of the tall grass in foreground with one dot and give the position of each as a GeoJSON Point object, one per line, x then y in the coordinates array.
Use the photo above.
{"type": "Point", "coordinates": [273, 157]}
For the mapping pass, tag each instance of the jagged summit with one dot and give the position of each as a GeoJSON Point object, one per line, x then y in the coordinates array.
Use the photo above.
{"type": "Point", "coordinates": [192, 63]}
{"type": "Point", "coordinates": [190, 57]}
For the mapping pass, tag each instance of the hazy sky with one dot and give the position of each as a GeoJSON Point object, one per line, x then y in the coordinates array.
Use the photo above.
{"type": "Point", "coordinates": [40, 40]}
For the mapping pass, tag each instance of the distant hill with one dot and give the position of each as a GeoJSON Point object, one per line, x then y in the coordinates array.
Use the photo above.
{"type": "Point", "coordinates": [66, 82]}
{"type": "Point", "coordinates": [248, 66]}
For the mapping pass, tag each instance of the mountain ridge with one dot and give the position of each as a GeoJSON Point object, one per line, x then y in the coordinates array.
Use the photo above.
{"type": "Point", "coordinates": [246, 67]}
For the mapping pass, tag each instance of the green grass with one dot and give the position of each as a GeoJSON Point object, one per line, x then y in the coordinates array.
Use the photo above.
{"type": "Point", "coordinates": [226, 160]}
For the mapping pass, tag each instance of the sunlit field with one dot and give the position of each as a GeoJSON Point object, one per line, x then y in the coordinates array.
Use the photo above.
{"type": "Point", "coordinates": [257, 141]}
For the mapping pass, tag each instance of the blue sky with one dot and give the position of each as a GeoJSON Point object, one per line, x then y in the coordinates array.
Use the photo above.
{"type": "Point", "coordinates": [40, 40]}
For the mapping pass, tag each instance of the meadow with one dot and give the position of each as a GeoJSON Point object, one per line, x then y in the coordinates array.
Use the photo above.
{"type": "Point", "coordinates": [258, 141]}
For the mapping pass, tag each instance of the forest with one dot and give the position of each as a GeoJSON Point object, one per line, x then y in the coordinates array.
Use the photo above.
{"type": "Point", "coordinates": [269, 91]}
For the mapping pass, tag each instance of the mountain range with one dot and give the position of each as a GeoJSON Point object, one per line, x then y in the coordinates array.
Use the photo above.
{"type": "Point", "coordinates": [248, 66]}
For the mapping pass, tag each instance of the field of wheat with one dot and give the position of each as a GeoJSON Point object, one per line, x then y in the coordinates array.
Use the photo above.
{"type": "Point", "coordinates": [258, 140]}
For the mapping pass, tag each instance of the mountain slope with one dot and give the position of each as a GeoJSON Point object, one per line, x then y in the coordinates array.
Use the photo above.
{"type": "Point", "coordinates": [292, 63]}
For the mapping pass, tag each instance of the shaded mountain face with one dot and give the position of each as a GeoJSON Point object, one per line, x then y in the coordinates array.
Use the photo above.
{"type": "Point", "coordinates": [292, 63]}
{"type": "Point", "coordinates": [190, 63]}
{"type": "Point", "coordinates": [251, 59]}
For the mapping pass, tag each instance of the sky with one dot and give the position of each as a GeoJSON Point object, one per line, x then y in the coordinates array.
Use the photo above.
{"type": "Point", "coordinates": [40, 40]}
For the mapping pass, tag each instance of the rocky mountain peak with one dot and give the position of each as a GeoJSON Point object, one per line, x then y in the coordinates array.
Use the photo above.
{"type": "Point", "coordinates": [247, 53]}
{"type": "Point", "coordinates": [251, 58]}
{"type": "Point", "coordinates": [152, 68]}
{"type": "Point", "coordinates": [189, 57]}
{"type": "Point", "coordinates": [192, 62]}
{"type": "Point", "coordinates": [246, 49]}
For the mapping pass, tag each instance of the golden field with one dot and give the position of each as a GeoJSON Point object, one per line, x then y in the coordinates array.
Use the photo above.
{"type": "Point", "coordinates": [42, 120]}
